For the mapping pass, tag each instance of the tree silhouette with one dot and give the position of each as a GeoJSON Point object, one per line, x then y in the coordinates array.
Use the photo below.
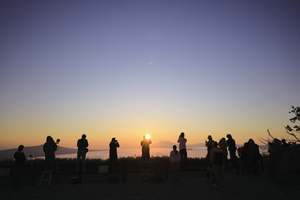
{"type": "Point", "coordinates": [289, 130]}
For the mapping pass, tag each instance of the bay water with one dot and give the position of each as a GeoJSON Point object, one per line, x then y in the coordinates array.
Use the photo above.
{"type": "Point", "coordinates": [195, 152]}
{"type": "Point", "coordinates": [135, 152]}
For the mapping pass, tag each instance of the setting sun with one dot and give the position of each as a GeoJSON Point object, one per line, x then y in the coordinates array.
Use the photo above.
{"type": "Point", "coordinates": [147, 136]}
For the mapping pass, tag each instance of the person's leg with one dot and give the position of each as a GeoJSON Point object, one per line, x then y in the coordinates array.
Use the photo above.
{"type": "Point", "coordinates": [83, 159]}
{"type": "Point", "coordinates": [235, 162]}
{"type": "Point", "coordinates": [177, 170]}
{"type": "Point", "coordinates": [15, 177]}
{"type": "Point", "coordinates": [173, 165]}
{"type": "Point", "coordinates": [216, 173]}
{"type": "Point", "coordinates": [185, 158]}
{"type": "Point", "coordinates": [147, 160]}
{"type": "Point", "coordinates": [225, 161]}
{"type": "Point", "coordinates": [77, 161]}
{"type": "Point", "coordinates": [79, 157]}
{"type": "Point", "coordinates": [182, 157]}
{"type": "Point", "coordinates": [221, 172]}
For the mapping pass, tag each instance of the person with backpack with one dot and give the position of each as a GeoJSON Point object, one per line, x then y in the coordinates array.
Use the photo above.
{"type": "Point", "coordinates": [216, 157]}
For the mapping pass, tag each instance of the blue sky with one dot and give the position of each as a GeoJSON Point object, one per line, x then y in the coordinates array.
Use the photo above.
{"type": "Point", "coordinates": [73, 67]}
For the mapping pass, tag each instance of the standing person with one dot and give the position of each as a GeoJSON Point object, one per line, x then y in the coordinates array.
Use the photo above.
{"type": "Point", "coordinates": [82, 145]}
{"type": "Point", "coordinates": [113, 154]}
{"type": "Point", "coordinates": [232, 152]}
{"type": "Point", "coordinates": [223, 145]}
{"type": "Point", "coordinates": [243, 153]}
{"type": "Point", "coordinates": [254, 156]}
{"type": "Point", "coordinates": [20, 160]}
{"type": "Point", "coordinates": [209, 142]}
{"type": "Point", "coordinates": [182, 148]}
{"type": "Point", "coordinates": [216, 157]}
{"type": "Point", "coordinates": [209, 166]}
{"type": "Point", "coordinates": [49, 148]}
{"type": "Point", "coordinates": [175, 159]}
{"type": "Point", "coordinates": [145, 152]}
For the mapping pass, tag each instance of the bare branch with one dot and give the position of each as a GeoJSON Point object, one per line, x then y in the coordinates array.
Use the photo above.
{"type": "Point", "coordinates": [270, 134]}
{"type": "Point", "coordinates": [292, 134]}
{"type": "Point", "coordinates": [264, 141]}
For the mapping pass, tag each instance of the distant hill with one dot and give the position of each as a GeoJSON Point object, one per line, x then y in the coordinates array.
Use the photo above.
{"type": "Point", "coordinates": [167, 144]}
{"type": "Point", "coordinates": [163, 144]}
{"type": "Point", "coordinates": [35, 151]}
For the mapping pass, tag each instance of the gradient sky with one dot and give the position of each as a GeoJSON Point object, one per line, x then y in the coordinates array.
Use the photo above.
{"type": "Point", "coordinates": [126, 68]}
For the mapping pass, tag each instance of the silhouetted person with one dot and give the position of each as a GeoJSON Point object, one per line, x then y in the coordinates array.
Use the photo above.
{"type": "Point", "coordinates": [277, 144]}
{"type": "Point", "coordinates": [284, 144]}
{"type": "Point", "coordinates": [274, 157]}
{"type": "Point", "coordinates": [243, 153]}
{"type": "Point", "coordinates": [182, 148]}
{"type": "Point", "coordinates": [223, 145]}
{"type": "Point", "coordinates": [175, 159]}
{"type": "Point", "coordinates": [113, 154]}
{"type": "Point", "coordinates": [209, 142]}
{"type": "Point", "coordinates": [20, 160]}
{"type": "Point", "coordinates": [271, 148]}
{"type": "Point", "coordinates": [49, 148]}
{"type": "Point", "coordinates": [145, 152]}
{"type": "Point", "coordinates": [209, 165]}
{"type": "Point", "coordinates": [216, 157]}
{"type": "Point", "coordinates": [254, 156]}
{"type": "Point", "coordinates": [232, 152]}
{"type": "Point", "coordinates": [82, 145]}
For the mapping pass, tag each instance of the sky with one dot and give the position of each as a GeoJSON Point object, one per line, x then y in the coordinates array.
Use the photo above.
{"type": "Point", "coordinates": [128, 68]}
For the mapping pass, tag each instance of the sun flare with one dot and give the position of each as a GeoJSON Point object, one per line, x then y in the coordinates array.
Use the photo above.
{"type": "Point", "coordinates": [147, 136]}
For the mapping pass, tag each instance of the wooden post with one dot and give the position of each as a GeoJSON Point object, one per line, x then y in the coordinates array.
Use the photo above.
{"type": "Point", "coordinates": [124, 164]}
{"type": "Point", "coordinates": [34, 172]}
{"type": "Point", "coordinates": [167, 169]}
{"type": "Point", "coordinates": [80, 172]}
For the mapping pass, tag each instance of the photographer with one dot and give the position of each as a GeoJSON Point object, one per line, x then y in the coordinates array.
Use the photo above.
{"type": "Point", "coordinates": [113, 154]}
{"type": "Point", "coordinates": [49, 148]}
{"type": "Point", "coordinates": [82, 145]}
{"type": "Point", "coordinates": [145, 152]}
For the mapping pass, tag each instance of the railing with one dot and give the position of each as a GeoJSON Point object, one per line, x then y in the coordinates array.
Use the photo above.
{"type": "Point", "coordinates": [124, 167]}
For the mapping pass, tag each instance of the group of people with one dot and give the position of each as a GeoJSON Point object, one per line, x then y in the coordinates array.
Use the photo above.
{"type": "Point", "coordinates": [216, 156]}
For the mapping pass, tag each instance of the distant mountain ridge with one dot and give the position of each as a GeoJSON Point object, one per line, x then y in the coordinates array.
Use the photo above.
{"type": "Point", "coordinates": [35, 151]}
{"type": "Point", "coordinates": [168, 144]}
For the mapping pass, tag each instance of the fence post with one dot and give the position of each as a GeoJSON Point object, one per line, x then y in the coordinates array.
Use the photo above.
{"type": "Point", "coordinates": [124, 163]}
{"type": "Point", "coordinates": [34, 172]}
{"type": "Point", "coordinates": [80, 172]}
{"type": "Point", "coordinates": [166, 169]}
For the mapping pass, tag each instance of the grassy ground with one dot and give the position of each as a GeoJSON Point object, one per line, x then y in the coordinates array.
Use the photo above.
{"type": "Point", "coordinates": [193, 185]}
